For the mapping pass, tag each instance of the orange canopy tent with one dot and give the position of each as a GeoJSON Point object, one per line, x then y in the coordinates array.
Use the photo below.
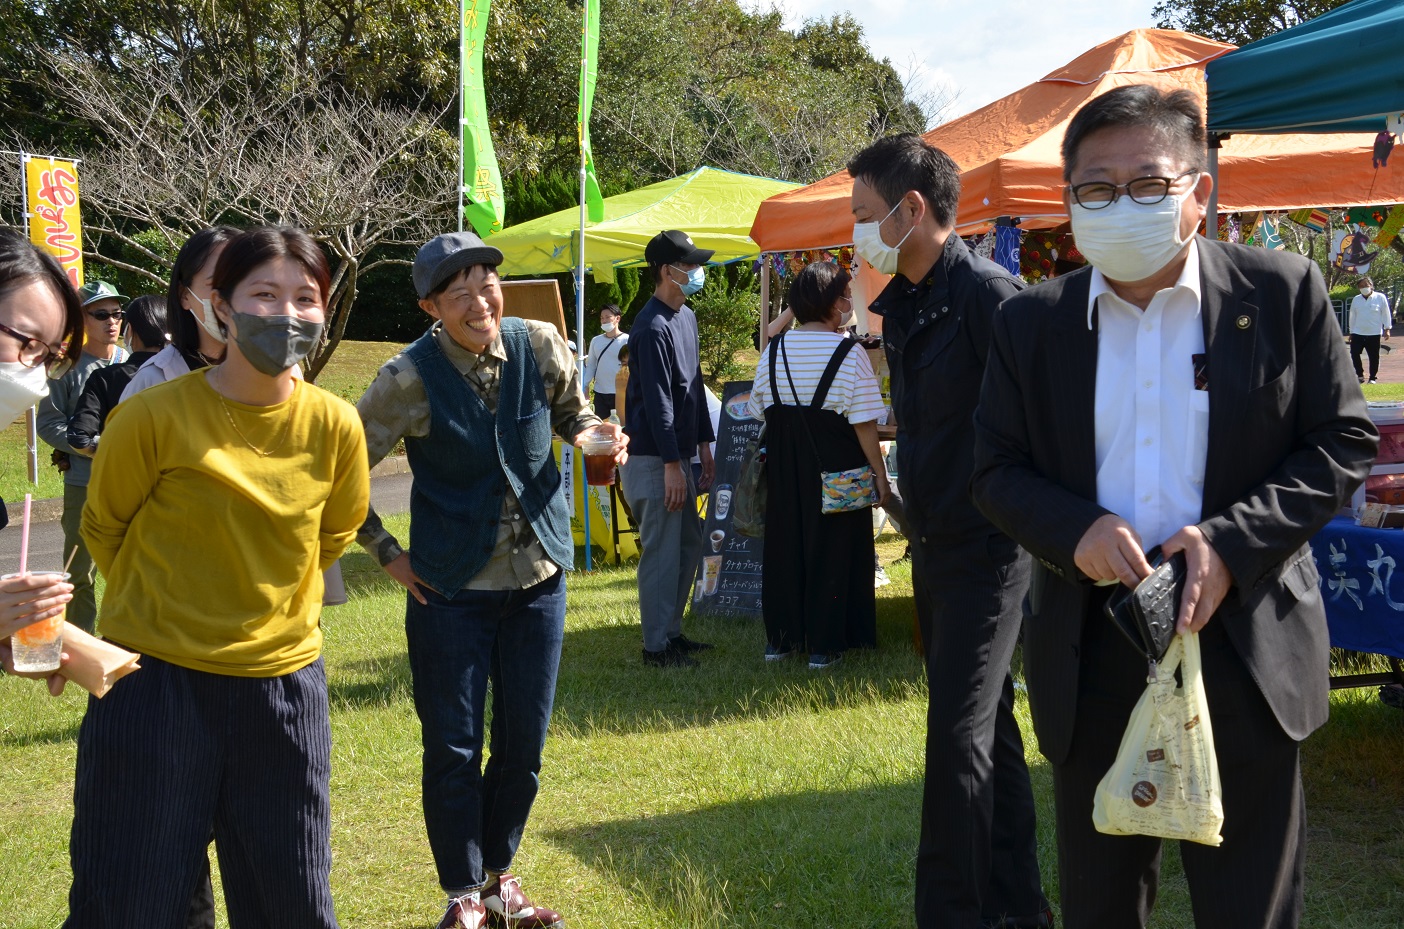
{"type": "Point", "coordinates": [1008, 153]}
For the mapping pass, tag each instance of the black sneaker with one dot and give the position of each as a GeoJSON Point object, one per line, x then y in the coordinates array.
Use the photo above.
{"type": "Point", "coordinates": [669, 658]}
{"type": "Point", "coordinates": [685, 645]}
{"type": "Point", "coordinates": [819, 662]}
{"type": "Point", "coordinates": [778, 652]}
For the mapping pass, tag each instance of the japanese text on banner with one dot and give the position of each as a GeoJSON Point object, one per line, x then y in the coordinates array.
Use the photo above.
{"type": "Point", "coordinates": [53, 206]}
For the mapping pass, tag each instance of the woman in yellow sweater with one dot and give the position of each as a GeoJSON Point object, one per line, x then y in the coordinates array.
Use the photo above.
{"type": "Point", "coordinates": [217, 500]}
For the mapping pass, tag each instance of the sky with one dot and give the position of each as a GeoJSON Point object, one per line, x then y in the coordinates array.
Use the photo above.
{"type": "Point", "coordinates": [979, 50]}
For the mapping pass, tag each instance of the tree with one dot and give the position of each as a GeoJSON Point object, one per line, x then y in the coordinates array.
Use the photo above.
{"type": "Point", "coordinates": [1238, 22]}
{"type": "Point", "coordinates": [176, 158]}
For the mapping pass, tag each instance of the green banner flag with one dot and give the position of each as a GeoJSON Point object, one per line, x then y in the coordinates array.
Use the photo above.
{"type": "Point", "coordinates": [481, 197]}
{"type": "Point", "coordinates": [589, 61]}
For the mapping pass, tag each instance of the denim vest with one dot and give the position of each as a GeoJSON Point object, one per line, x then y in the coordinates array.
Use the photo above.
{"type": "Point", "coordinates": [469, 458]}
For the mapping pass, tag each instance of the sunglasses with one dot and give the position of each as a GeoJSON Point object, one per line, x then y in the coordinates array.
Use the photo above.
{"type": "Point", "coordinates": [103, 316]}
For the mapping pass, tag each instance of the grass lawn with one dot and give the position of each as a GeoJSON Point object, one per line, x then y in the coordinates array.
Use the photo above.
{"type": "Point", "coordinates": [1383, 391]}
{"type": "Point", "coordinates": [740, 794]}
{"type": "Point", "coordinates": [347, 375]}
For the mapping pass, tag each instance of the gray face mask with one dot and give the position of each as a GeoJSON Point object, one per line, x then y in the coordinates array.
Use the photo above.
{"type": "Point", "coordinates": [273, 344]}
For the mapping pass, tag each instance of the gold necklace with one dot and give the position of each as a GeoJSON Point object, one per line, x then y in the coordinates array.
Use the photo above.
{"type": "Point", "coordinates": [229, 414]}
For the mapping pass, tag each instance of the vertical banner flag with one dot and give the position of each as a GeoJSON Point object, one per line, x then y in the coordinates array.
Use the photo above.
{"type": "Point", "coordinates": [589, 60]}
{"type": "Point", "coordinates": [482, 180]}
{"type": "Point", "coordinates": [52, 209]}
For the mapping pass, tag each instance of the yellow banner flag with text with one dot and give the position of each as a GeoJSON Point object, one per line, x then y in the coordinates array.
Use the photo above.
{"type": "Point", "coordinates": [53, 209]}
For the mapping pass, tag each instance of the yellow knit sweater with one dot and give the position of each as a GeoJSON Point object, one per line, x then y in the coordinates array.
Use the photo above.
{"type": "Point", "coordinates": [214, 554]}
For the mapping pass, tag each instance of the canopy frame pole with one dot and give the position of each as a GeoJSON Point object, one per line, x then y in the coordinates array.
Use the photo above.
{"type": "Point", "coordinates": [764, 301]}
{"type": "Point", "coordinates": [1211, 218]}
{"type": "Point", "coordinates": [462, 72]}
{"type": "Point", "coordinates": [580, 309]}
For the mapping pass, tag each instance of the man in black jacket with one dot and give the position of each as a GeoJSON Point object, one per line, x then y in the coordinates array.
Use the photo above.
{"type": "Point", "coordinates": [144, 322]}
{"type": "Point", "coordinates": [1196, 395]}
{"type": "Point", "coordinates": [977, 863]}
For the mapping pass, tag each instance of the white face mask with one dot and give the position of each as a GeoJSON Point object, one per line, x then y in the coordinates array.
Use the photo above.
{"type": "Point", "coordinates": [1130, 241]}
{"type": "Point", "coordinates": [20, 388]}
{"type": "Point", "coordinates": [1365, 291]}
{"type": "Point", "coordinates": [608, 327]}
{"type": "Point", "coordinates": [209, 322]}
{"type": "Point", "coordinates": [868, 243]}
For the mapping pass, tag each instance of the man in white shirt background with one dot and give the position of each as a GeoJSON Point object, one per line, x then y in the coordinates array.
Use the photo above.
{"type": "Point", "coordinates": [602, 366]}
{"type": "Point", "coordinates": [1370, 319]}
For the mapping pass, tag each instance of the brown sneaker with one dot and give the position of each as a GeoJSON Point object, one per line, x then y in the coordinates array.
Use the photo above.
{"type": "Point", "coordinates": [508, 907]}
{"type": "Point", "coordinates": [465, 912]}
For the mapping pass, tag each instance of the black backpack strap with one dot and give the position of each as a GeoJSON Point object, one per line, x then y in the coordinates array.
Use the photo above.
{"type": "Point", "coordinates": [821, 393]}
{"type": "Point", "coordinates": [774, 344]}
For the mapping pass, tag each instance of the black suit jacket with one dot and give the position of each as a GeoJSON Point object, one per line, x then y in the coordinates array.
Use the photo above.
{"type": "Point", "coordinates": [1289, 441]}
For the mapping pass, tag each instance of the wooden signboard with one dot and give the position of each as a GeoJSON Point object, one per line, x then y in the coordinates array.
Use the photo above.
{"type": "Point", "coordinates": [729, 578]}
{"type": "Point", "coordinates": [539, 300]}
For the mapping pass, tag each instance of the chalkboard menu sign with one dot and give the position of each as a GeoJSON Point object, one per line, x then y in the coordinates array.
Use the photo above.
{"type": "Point", "coordinates": [729, 578]}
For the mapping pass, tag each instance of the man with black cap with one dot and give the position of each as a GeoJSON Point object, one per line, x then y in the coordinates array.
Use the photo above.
{"type": "Point", "coordinates": [102, 324]}
{"type": "Point", "coordinates": [667, 424]}
{"type": "Point", "coordinates": [475, 400]}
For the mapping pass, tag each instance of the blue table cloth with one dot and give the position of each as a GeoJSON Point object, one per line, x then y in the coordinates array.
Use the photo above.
{"type": "Point", "coordinates": [1362, 583]}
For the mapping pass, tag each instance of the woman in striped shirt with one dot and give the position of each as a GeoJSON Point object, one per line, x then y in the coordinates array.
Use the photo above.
{"type": "Point", "coordinates": [817, 393]}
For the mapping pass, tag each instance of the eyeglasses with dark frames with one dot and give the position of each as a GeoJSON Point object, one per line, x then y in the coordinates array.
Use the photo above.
{"type": "Point", "coordinates": [35, 353]}
{"type": "Point", "coordinates": [103, 316]}
{"type": "Point", "coordinates": [1147, 191]}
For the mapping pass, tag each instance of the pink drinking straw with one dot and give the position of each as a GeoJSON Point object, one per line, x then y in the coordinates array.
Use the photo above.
{"type": "Point", "coordinates": [24, 536]}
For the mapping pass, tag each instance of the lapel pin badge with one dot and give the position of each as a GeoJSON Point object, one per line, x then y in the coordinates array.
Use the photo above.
{"type": "Point", "coordinates": [1244, 322]}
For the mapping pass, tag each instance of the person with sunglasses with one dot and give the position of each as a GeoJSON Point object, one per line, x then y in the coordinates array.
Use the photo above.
{"type": "Point", "coordinates": [102, 323]}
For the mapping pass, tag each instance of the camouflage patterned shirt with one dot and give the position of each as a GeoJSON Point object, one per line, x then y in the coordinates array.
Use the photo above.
{"type": "Point", "coordinates": [395, 407]}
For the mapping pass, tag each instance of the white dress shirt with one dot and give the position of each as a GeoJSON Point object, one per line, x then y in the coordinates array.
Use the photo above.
{"type": "Point", "coordinates": [1152, 425]}
{"type": "Point", "coordinates": [1369, 315]}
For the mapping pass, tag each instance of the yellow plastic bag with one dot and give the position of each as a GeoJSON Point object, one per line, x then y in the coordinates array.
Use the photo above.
{"type": "Point", "coordinates": [1165, 780]}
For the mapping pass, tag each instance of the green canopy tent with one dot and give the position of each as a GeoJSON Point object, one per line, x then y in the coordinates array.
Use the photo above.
{"type": "Point", "coordinates": [713, 206]}
{"type": "Point", "coordinates": [1338, 72]}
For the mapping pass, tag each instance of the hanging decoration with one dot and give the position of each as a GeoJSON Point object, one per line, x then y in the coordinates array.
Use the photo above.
{"type": "Point", "coordinates": [1040, 254]}
{"type": "Point", "coordinates": [788, 264]}
{"type": "Point", "coordinates": [1349, 251]}
{"type": "Point", "coordinates": [1317, 221]}
{"type": "Point", "coordinates": [1390, 228]}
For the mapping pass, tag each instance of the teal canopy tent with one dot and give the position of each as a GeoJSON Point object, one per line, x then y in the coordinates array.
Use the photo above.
{"type": "Point", "coordinates": [1339, 72]}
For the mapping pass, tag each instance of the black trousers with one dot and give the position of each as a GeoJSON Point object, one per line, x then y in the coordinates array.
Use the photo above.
{"type": "Point", "coordinates": [171, 755]}
{"type": "Point", "coordinates": [977, 860]}
{"type": "Point", "coordinates": [604, 405]}
{"type": "Point", "coordinates": [1370, 345]}
{"type": "Point", "coordinates": [1254, 879]}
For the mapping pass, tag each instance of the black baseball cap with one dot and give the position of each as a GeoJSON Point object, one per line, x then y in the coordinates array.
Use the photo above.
{"type": "Point", "coordinates": [445, 255]}
{"type": "Point", "coordinates": [674, 247]}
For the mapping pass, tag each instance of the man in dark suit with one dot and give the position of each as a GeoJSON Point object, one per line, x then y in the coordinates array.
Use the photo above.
{"type": "Point", "coordinates": [1197, 395]}
{"type": "Point", "coordinates": [977, 861]}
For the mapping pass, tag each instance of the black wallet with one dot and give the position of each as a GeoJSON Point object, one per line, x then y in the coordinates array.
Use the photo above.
{"type": "Point", "coordinates": [1146, 614]}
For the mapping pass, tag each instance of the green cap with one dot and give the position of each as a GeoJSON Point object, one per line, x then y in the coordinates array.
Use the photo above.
{"type": "Point", "coordinates": [93, 291]}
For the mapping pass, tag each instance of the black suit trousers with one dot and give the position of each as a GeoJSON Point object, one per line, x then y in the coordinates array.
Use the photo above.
{"type": "Point", "coordinates": [977, 859]}
{"type": "Point", "coordinates": [1254, 879]}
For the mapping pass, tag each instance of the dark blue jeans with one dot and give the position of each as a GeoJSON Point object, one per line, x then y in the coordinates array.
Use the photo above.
{"type": "Point", "coordinates": [475, 814]}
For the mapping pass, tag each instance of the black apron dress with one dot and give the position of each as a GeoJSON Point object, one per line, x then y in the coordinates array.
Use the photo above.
{"type": "Point", "coordinates": [817, 593]}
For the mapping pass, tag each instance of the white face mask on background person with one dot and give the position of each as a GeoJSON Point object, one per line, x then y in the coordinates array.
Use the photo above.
{"type": "Point", "coordinates": [20, 388]}
{"type": "Point", "coordinates": [868, 243]}
{"type": "Point", "coordinates": [208, 321]}
{"type": "Point", "coordinates": [608, 327]}
{"type": "Point", "coordinates": [1130, 241]}
{"type": "Point", "coordinates": [1366, 291]}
